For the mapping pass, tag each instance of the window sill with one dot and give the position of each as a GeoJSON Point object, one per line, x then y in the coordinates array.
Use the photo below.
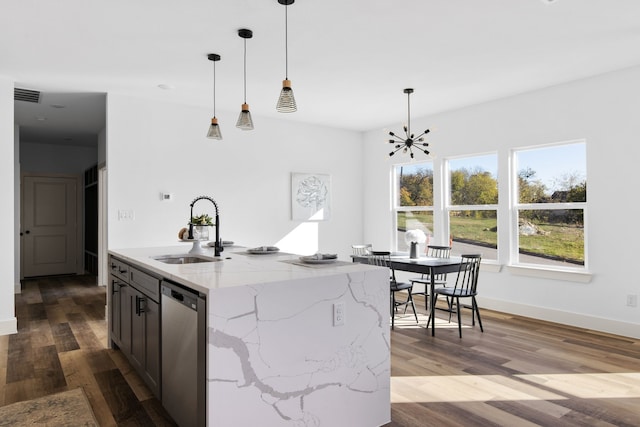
{"type": "Point", "coordinates": [547, 273]}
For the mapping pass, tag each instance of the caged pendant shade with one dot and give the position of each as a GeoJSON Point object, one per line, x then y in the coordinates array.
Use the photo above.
{"type": "Point", "coordinates": [286, 101]}
{"type": "Point", "coordinates": [245, 122]}
{"type": "Point", "coordinates": [214, 128]}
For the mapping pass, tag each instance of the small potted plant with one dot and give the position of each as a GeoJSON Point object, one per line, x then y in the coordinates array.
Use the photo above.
{"type": "Point", "coordinates": [201, 224]}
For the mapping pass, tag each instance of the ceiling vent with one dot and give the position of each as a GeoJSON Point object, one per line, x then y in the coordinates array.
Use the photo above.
{"type": "Point", "coordinates": [26, 95]}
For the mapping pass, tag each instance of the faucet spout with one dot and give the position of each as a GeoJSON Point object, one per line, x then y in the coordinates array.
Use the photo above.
{"type": "Point", "coordinates": [218, 243]}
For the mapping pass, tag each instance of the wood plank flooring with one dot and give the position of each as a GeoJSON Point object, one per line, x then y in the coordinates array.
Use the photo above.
{"type": "Point", "coordinates": [519, 372]}
{"type": "Point", "coordinates": [61, 345]}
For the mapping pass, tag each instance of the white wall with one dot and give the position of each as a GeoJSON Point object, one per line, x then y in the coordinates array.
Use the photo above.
{"type": "Point", "coordinates": [156, 147]}
{"type": "Point", "coordinates": [604, 111]}
{"type": "Point", "coordinates": [49, 158]}
{"type": "Point", "coordinates": [8, 323]}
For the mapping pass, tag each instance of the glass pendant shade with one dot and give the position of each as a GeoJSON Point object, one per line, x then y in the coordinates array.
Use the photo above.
{"type": "Point", "coordinates": [214, 130]}
{"type": "Point", "coordinates": [286, 102]}
{"type": "Point", "coordinates": [244, 120]}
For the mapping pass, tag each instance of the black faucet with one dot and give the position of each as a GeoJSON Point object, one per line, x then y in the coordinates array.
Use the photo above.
{"type": "Point", "coordinates": [218, 243]}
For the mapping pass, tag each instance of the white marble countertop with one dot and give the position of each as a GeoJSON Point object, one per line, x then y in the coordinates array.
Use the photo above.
{"type": "Point", "coordinates": [237, 268]}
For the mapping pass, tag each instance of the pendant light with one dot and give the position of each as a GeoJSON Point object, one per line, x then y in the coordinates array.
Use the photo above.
{"type": "Point", "coordinates": [409, 142]}
{"type": "Point", "coordinates": [214, 129]}
{"type": "Point", "coordinates": [286, 102]}
{"type": "Point", "coordinates": [244, 120]}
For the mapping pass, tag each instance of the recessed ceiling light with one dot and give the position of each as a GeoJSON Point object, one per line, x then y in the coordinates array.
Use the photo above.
{"type": "Point", "coordinates": [58, 106]}
{"type": "Point", "coordinates": [40, 118]}
{"type": "Point", "coordinates": [548, 1]}
{"type": "Point", "coordinates": [166, 86]}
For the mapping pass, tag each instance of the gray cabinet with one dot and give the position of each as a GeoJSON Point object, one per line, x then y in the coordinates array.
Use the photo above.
{"type": "Point", "coordinates": [145, 338]}
{"type": "Point", "coordinates": [134, 319]}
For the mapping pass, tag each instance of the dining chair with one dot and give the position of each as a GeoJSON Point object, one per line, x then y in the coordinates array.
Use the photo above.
{"type": "Point", "coordinates": [361, 249]}
{"type": "Point", "coordinates": [383, 259]}
{"type": "Point", "coordinates": [466, 287]}
{"type": "Point", "coordinates": [440, 279]}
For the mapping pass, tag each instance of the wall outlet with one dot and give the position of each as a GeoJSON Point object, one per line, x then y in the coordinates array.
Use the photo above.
{"type": "Point", "coordinates": [632, 300]}
{"type": "Point", "coordinates": [126, 215]}
{"type": "Point", "coordinates": [338, 314]}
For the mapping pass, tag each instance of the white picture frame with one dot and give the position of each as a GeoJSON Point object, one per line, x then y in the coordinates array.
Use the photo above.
{"type": "Point", "coordinates": [310, 196]}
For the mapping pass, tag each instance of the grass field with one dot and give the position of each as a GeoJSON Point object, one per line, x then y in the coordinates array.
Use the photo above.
{"type": "Point", "coordinates": [560, 241]}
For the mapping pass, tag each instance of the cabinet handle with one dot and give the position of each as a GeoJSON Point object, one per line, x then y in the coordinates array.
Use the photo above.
{"type": "Point", "coordinates": [114, 266]}
{"type": "Point", "coordinates": [117, 286]}
{"type": "Point", "coordinates": [140, 305]}
{"type": "Point", "coordinates": [122, 271]}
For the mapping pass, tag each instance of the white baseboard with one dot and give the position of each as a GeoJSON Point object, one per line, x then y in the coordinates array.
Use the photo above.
{"type": "Point", "coordinates": [9, 326]}
{"type": "Point", "coordinates": [600, 324]}
{"type": "Point", "coordinates": [17, 288]}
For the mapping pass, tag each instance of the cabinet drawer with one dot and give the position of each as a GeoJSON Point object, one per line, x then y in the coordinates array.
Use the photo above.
{"type": "Point", "coordinates": [119, 269]}
{"type": "Point", "coordinates": [146, 283]}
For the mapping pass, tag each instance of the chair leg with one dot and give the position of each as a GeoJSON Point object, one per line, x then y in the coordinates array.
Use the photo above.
{"type": "Point", "coordinates": [393, 307]}
{"type": "Point", "coordinates": [432, 313]}
{"type": "Point", "coordinates": [413, 306]}
{"type": "Point", "coordinates": [477, 310]}
{"type": "Point", "coordinates": [459, 319]}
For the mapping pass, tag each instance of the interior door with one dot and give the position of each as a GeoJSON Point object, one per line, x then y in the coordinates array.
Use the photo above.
{"type": "Point", "coordinates": [49, 225]}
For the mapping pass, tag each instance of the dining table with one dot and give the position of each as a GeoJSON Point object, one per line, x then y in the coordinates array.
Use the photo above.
{"type": "Point", "coordinates": [423, 265]}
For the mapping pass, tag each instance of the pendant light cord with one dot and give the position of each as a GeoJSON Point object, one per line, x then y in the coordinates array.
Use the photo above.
{"type": "Point", "coordinates": [214, 88]}
{"type": "Point", "coordinates": [409, 115]}
{"type": "Point", "coordinates": [286, 42]}
{"type": "Point", "coordinates": [245, 70]}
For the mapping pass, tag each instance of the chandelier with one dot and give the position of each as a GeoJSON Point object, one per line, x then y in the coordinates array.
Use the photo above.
{"type": "Point", "coordinates": [409, 142]}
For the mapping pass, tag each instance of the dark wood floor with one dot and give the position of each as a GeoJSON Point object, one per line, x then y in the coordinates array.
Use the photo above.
{"type": "Point", "coordinates": [518, 372]}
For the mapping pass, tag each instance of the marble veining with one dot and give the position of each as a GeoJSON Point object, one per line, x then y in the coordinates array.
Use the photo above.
{"type": "Point", "coordinates": [283, 349]}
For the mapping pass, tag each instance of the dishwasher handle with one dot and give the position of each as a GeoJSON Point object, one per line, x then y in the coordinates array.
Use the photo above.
{"type": "Point", "coordinates": [177, 295]}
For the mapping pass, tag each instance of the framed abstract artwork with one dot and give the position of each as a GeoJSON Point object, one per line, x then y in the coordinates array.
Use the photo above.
{"type": "Point", "coordinates": [310, 196]}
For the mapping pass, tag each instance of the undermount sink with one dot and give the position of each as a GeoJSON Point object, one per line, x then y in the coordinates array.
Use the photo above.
{"type": "Point", "coordinates": [184, 259]}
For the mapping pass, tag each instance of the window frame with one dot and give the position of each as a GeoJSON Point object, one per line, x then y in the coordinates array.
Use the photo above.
{"type": "Point", "coordinates": [515, 207]}
{"type": "Point", "coordinates": [395, 202]}
{"type": "Point", "coordinates": [448, 207]}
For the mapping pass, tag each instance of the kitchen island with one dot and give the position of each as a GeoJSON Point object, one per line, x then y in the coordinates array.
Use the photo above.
{"type": "Point", "coordinates": [287, 343]}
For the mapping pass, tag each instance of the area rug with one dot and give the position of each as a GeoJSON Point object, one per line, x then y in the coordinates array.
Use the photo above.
{"type": "Point", "coordinates": [69, 408]}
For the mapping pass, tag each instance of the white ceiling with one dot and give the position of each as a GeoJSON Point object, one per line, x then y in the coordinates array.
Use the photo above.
{"type": "Point", "coordinates": [349, 60]}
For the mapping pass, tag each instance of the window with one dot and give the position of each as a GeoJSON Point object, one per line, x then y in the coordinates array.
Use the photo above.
{"type": "Point", "coordinates": [413, 200]}
{"type": "Point", "coordinates": [551, 201]}
{"type": "Point", "coordinates": [473, 205]}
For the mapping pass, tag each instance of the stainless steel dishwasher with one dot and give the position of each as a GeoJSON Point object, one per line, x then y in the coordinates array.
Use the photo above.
{"type": "Point", "coordinates": [183, 354]}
